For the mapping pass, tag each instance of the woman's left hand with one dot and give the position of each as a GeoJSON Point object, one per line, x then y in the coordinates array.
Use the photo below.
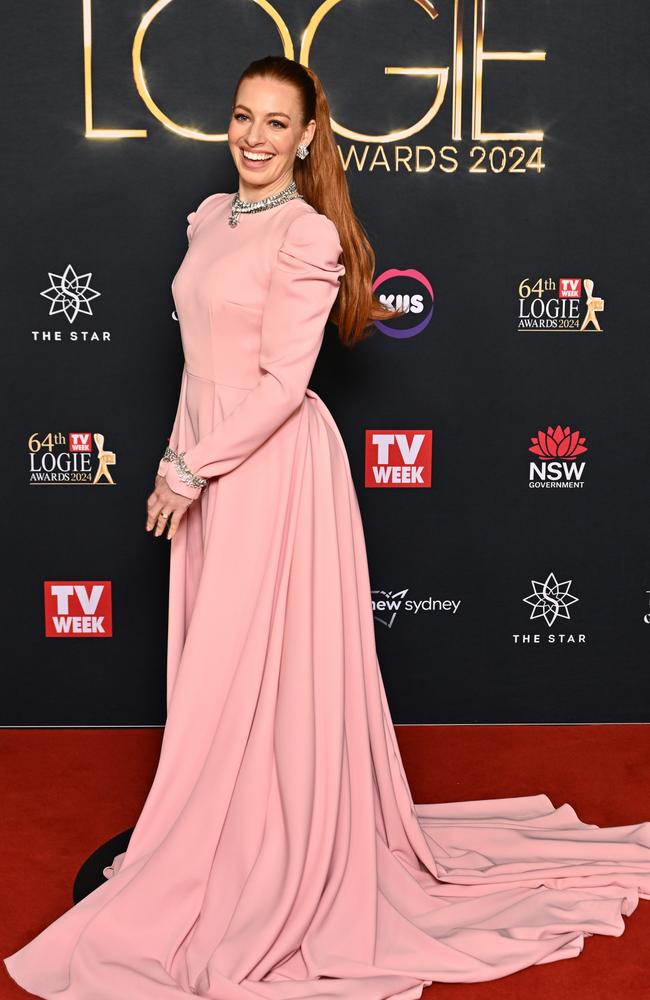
{"type": "Point", "coordinates": [163, 501]}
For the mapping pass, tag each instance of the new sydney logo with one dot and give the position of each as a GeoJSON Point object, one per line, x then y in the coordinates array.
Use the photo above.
{"type": "Point", "coordinates": [386, 604]}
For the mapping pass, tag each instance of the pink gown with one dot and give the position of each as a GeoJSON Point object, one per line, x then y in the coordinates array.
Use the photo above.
{"type": "Point", "coordinates": [279, 853]}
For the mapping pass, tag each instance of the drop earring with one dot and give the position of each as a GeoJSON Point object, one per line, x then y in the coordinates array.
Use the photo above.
{"type": "Point", "coordinates": [302, 151]}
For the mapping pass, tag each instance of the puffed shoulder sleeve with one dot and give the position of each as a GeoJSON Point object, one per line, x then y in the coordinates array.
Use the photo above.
{"type": "Point", "coordinates": [304, 285]}
{"type": "Point", "coordinates": [194, 217]}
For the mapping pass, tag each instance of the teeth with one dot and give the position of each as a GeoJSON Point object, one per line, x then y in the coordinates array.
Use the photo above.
{"type": "Point", "coordinates": [256, 156]}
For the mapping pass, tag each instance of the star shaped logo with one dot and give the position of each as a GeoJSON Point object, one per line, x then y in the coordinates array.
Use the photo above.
{"type": "Point", "coordinates": [70, 293]}
{"type": "Point", "coordinates": [550, 599]}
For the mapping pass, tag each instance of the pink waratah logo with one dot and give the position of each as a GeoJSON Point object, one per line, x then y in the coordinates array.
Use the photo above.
{"type": "Point", "coordinates": [559, 443]}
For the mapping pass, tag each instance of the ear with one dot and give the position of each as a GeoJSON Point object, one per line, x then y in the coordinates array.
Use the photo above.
{"type": "Point", "coordinates": [308, 133]}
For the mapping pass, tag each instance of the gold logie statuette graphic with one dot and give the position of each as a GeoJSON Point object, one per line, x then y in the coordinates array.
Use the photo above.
{"type": "Point", "coordinates": [441, 74]}
{"type": "Point", "coordinates": [106, 458]}
{"type": "Point", "coordinates": [594, 305]}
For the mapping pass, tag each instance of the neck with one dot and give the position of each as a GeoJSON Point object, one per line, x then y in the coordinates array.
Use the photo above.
{"type": "Point", "coordinates": [248, 193]}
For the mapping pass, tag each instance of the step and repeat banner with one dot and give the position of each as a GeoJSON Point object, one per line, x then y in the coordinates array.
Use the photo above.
{"type": "Point", "coordinates": [496, 153]}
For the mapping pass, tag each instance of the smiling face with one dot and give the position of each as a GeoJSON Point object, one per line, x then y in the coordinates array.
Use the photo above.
{"type": "Point", "coordinates": [266, 122]}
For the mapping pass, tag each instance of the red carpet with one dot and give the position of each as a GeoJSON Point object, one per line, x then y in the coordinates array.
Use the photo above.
{"type": "Point", "coordinates": [66, 791]}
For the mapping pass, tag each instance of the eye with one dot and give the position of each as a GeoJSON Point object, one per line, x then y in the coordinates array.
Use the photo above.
{"type": "Point", "coordinates": [274, 121]}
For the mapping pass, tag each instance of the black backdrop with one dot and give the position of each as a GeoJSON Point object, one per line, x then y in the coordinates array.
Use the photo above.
{"type": "Point", "coordinates": [480, 216]}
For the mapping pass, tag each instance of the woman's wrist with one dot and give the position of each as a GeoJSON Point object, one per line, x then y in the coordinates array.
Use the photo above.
{"type": "Point", "coordinates": [180, 478]}
{"type": "Point", "coordinates": [185, 474]}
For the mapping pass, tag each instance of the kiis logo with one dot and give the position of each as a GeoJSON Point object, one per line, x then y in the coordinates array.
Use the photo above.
{"type": "Point", "coordinates": [409, 290]}
{"type": "Point", "coordinates": [398, 458]}
{"type": "Point", "coordinates": [78, 609]}
{"type": "Point", "coordinates": [58, 459]}
{"type": "Point", "coordinates": [558, 450]}
{"type": "Point", "coordinates": [559, 306]}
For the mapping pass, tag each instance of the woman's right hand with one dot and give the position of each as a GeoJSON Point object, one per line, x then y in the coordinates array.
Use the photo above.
{"type": "Point", "coordinates": [163, 500]}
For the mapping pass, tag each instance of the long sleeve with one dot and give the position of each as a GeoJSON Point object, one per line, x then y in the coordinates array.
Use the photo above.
{"type": "Point", "coordinates": [303, 288]}
{"type": "Point", "coordinates": [163, 465]}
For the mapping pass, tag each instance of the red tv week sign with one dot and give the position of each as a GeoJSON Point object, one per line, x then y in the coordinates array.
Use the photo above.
{"type": "Point", "coordinates": [398, 458]}
{"type": "Point", "coordinates": [76, 609]}
{"type": "Point", "coordinates": [570, 288]}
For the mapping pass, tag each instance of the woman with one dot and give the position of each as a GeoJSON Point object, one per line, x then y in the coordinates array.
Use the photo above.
{"type": "Point", "coordinates": [279, 853]}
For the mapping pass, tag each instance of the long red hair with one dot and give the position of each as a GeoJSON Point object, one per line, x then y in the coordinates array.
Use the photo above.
{"type": "Point", "coordinates": [320, 179]}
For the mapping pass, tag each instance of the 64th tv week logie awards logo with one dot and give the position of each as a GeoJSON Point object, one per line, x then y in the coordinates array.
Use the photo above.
{"type": "Point", "coordinates": [559, 305]}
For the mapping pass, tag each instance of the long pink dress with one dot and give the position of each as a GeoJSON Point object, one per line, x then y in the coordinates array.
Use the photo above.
{"type": "Point", "coordinates": [279, 853]}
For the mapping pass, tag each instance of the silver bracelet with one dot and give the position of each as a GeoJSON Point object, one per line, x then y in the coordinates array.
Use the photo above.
{"type": "Point", "coordinates": [183, 472]}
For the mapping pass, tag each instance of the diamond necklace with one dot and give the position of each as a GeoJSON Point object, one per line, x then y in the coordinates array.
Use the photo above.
{"type": "Point", "coordinates": [240, 207]}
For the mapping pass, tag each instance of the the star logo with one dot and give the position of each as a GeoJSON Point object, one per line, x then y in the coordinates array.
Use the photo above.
{"type": "Point", "coordinates": [550, 599]}
{"type": "Point", "coordinates": [70, 293]}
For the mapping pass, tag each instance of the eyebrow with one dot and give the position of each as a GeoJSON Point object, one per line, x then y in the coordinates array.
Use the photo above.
{"type": "Point", "coordinates": [276, 113]}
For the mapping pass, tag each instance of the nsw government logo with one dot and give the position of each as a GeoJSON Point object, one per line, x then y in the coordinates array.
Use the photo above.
{"type": "Point", "coordinates": [398, 458]}
{"type": "Point", "coordinates": [550, 601]}
{"type": "Point", "coordinates": [58, 459]}
{"type": "Point", "coordinates": [556, 466]}
{"type": "Point", "coordinates": [559, 305]}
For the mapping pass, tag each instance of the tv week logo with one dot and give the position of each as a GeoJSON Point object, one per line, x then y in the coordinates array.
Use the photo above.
{"type": "Point", "coordinates": [570, 288]}
{"type": "Point", "coordinates": [398, 458]}
{"type": "Point", "coordinates": [78, 608]}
